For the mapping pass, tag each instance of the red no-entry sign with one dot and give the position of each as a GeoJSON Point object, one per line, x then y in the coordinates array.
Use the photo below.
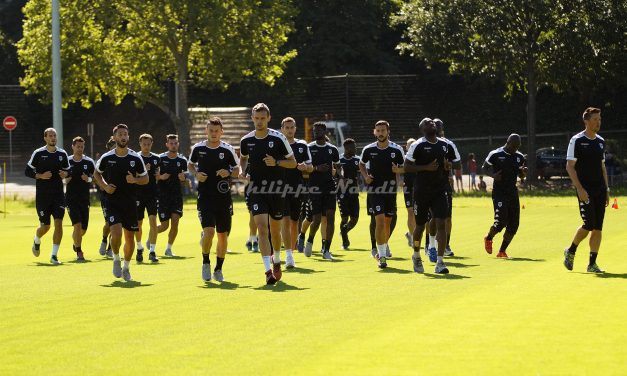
{"type": "Point", "coordinates": [9, 123]}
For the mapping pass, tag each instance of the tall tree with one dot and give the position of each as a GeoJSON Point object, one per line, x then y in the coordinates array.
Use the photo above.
{"type": "Point", "coordinates": [525, 43]}
{"type": "Point", "coordinates": [116, 48]}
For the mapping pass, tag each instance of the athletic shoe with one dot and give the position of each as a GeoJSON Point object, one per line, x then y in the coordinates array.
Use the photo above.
{"type": "Point", "coordinates": [168, 253]}
{"type": "Point", "coordinates": [54, 260]}
{"type": "Point", "coordinates": [206, 272]}
{"type": "Point", "coordinates": [103, 249]}
{"type": "Point", "coordinates": [276, 271]}
{"type": "Point", "coordinates": [433, 254]}
{"type": "Point", "coordinates": [569, 259]}
{"type": "Point", "coordinates": [255, 246]}
{"type": "Point", "coordinates": [345, 242]}
{"type": "Point", "coordinates": [289, 262]}
{"type": "Point", "coordinates": [327, 255]}
{"type": "Point", "coordinates": [80, 257]}
{"type": "Point", "coordinates": [126, 275]}
{"type": "Point", "coordinates": [388, 253]}
{"type": "Point", "coordinates": [217, 275]}
{"type": "Point", "coordinates": [249, 246]}
{"type": "Point", "coordinates": [440, 268]}
{"type": "Point", "coordinates": [270, 278]}
{"type": "Point", "coordinates": [410, 239]}
{"type": "Point", "coordinates": [448, 251]}
{"type": "Point", "coordinates": [117, 268]}
{"type": "Point", "coordinates": [418, 267]}
{"type": "Point", "coordinates": [140, 255]}
{"type": "Point", "coordinates": [594, 268]}
{"type": "Point", "coordinates": [300, 244]}
{"type": "Point", "coordinates": [382, 263]}
{"type": "Point", "coordinates": [109, 253]}
{"type": "Point", "coordinates": [152, 256]}
{"type": "Point", "coordinates": [502, 255]}
{"type": "Point", "coordinates": [308, 249]}
{"type": "Point", "coordinates": [487, 244]}
{"type": "Point", "coordinates": [35, 249]}
{"type": "Point", "coordinates": [374, 253]}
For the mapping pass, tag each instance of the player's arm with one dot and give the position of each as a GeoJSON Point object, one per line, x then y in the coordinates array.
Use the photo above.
{"type": "Point", "coordinates": [364, 173]}
{"type": "Point", "coordinates": [243, 163]}
{"type": "Point", "coordinates": [31, 167]}
{"type": "Point", "coordinates": [571, 161]}
{"type": "Point", "coordinates": [607, 186]}
{"type": "Point", "coordinates": [288, 162]}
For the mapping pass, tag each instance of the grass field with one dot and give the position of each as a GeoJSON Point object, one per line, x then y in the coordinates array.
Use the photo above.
{"type": "Point", "coordinates": [523, 316]}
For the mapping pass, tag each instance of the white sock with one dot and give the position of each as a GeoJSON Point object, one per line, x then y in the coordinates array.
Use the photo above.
{"type": "Point", "coordinates": [267, 263]}
{"type": "Point", "coordinates": [169, 246]}
{"type": "Point", "coordinates": [140, 247]}
{"type": "Point", "coordinates": [116, 257]}
{"type": "Point", "coordinates": [432, 242]}
{"type": "Point", "coordinates": [37, 239]}
{"type": "Point", "coordinates": [276, 257]}
{"type": "Point", "coordinates": [254, 239]}
{"type": "Point", "coordinates": [152, 247]}
{"type": "Point", "coordinates": [381, 248]}
{"type": "Point", "coordinates": [417, 255]}
{"type": "Point", "coordinates": [288, 253]}
{"type": "Point", "coordinates": [440, 259]}
{"type": "Point", "coordinates": [126, 264]}
{"type": "Point", "coordinates": [55, 249]}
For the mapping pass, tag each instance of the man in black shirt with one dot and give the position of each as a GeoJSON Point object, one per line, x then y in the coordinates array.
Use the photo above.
{"type": "Point", "coordinates": [385, 159]}
{"type": "Point", "coordinates": [117, 173]}
{"type": "Point", "coordinates": [348, 190]}
{"type": "Point", "coordinates": [213, 162]}
{"type": "Point", "coordinates": [105, 249]}
{"type": "Point", "coordinates": [147, 200]}
{"type": "Point", "coordinates": [295, 189]}
{"type": "Point", "coordinates": [172, 169]}
{"type": "Point", "coordinates": [430, 157]}
{"type": "Point", "coordinates": [586, 167]}
{"type": "Point", "coordinates": [408, 196]}
{"type": "Point", "coordinates": [77, 193]}
{"type": "Point", "coordinates": [48, 165]}
{"type": "Point", "coordinates": [505, 165]}
{"type": "Point", "coordinates": [268, 153]}
{"type": "Point", "coordinates": [325, 158]}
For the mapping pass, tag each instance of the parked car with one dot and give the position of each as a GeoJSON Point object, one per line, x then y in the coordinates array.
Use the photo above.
{"type": "Point", "coordinates": [551, 162]}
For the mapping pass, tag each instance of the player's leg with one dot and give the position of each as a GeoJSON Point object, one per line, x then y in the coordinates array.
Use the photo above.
{"type": "Point", "coordinates": [330, 230]}
{"type": "Point", "coordinates": [421, 213]}
{"type": "Point", "coordinates": [174, 230]}
{"type": "Point", "coordinates": [513, 221]}
{"type": "Point", "coordinates": [253, 243]}
{"type": "Point", "coordinates": [598, 201]}
{"type": "Point", "coordinates": [500, 221]}
{"type": "Point", "coordinates": [262, 222]}
{"type": "Point", "coordinates": [115, 229]}
{"type": "Point", "coordinates": [129, 247]}
{"type": "Point", "coordinates": [275, 235]}
{"type": "Point", "coordinates": [152, 238]}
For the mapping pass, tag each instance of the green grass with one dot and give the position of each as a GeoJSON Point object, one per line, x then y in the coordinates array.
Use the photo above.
{"type": "Point", "coordinates": [522, 316]}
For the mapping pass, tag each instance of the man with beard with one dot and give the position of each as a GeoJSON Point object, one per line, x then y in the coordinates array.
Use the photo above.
{"type": "Point", "coordinates": [117, 173]}
{"type": "Point", "coordinates": [49, 165]}
{"type": "Point", "coordinates": [105, 249]}
{"type": "Point", "coordinates": [348, 195]}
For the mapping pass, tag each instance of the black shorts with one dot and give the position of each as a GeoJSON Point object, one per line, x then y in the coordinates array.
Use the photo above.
{"type": "Point", "coordinates": [449, 197]}
{"type": "Point", "coordinates": [506, 212]}
{"type": "Point", "coordinates": [124, 213]}
{"type": "Point", "coordinates": [267, 203]}
{"type": "Point", "coordinates": [147, 204]}
{"type": "Point", "coordinates": [50, 205]}
{"type": "Point", "coordinates": [292, 206]}
{"type": "Point", "coordinates": [215, 212]}
{"type": "Point", "coordinates": [593, 212]}
{"type": "Point", "coordinates": [79, 213]}
{"type": "Point", "coordinates": [247, 198]}
{"type": "Point", "coordinates": [169, 205]}
{"type": "Point", "coordinates": [408, 195]}
{"type": "Point", "coordinates": [436, 202]}
{"type": "Point", "coordinates": [306, 212]}
{"type": "Point", "coordinates": [382, 203]}
{"type": "Point", "coordinates": [103, 206]}
{"type": "Point", "coordinates": [322, 202]}
{"type": "Point", "coordinates": [348, 204]}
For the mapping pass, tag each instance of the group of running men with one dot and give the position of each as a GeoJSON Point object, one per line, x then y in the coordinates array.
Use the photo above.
{"type": "Point", "coordinates": [293, 187]}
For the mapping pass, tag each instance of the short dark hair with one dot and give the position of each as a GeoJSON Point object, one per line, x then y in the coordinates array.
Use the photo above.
{"type": "Point", "coordinates": [145, 135]}
{"type": "Point", "coordinates": [77, 139]}
{"type": "Point", "coordinates": [120, 126]}
{"type": "Point", "coordinates": [214, 120]}
{"type": "Point", "coordinates": [382, 122]}
{"type": "Point", "coordinates": [348, 141]}
{"type": "Point", "coordinates": [587, 114]}
{"type": "Point", "coordinates": [261, 107]}
{"type": "Point", "coordinates": [319, 124]}
{"type": "Point", "coordinates": [49, 130]}
{"type": "Point", "coordinates": [288, 119]}
{"type": "Point", "coordinates": [172, 136]}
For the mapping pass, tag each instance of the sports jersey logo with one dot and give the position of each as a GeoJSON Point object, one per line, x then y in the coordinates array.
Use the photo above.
{"type": "Point", "coordinates": [255, 207]}
{"type": "Point", "coordinates": [500, 204]}
{"type": "Point", "coordinates": [378, 208]}
{"type": "Point", "coordinates": [221, 155]}
{"type": "Point", "coordinates": [60, 158]}
{"type": "Point", "coordinates": [518, 160]}
{"type": "Point", "coordinates": [330, 151]}
{"type": "Point", "coordinates": [84, 167]}
{"type": "Point", "coordinates": [443, 147]}
{"type": "Point", "coordinates": [356, 163]}
{"type": "Point", "coordinates": [300, 150]}
{"type": "Point", "coordinates": [601, 146]}
{"type": "Point", "coordinates": [271, 144]}
{"type": "Point", "coordinates": [132, 163]}
{"type": "Point", "coordinates": [111, 219]}
{"type": "Point", "coordinates": [393, 155]}
{"type": "Point", "coordinates": [178, 164]}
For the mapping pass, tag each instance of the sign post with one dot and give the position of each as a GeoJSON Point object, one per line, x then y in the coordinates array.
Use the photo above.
{"type": "Point", "coordinates": [90, 133]}
{"type": "Point", "coordinates": [10, 123]}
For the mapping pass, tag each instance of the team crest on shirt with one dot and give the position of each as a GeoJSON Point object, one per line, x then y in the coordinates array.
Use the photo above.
{"type": "Point", "coordinates": [271, 144]}
{"type": "Point", "coordinates": [300, 150]}
{"type": "Point", "coordinates": [356, 163]}
{"type": "Point", "coordinates": [330, 151]}
{"type": "Point", "coordinates": [600, 145]}
{"type": "Point", "coordinates": [61, 157]}
{"type": "Point", "coordinates": [393, 155]}
{"type": "Point", "coordinates": [84, 167]}
{"type": "Point", "coordinates": [178, 164]}
{"type": "Point", "coordinates": [221, 155]}
{"type": "Point", "coordinates": [132, 163]}
{"type": "Point", "coordinates": [443, 147]}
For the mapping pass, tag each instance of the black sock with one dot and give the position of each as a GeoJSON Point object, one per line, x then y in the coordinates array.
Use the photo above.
{"type": "Point", "coordinates": [324, 245]}
{"type": "Point", "coordinates": [310, 239]}
{"type": "Point", "coordinates": [572, 249]}
{"type": "Point", "coordinates": [417, 249]}
{"type": "Point", "coordinates": [104, 239]}
{"type": "Point", "coordinates": [593, 258]}
{"type": "Point", "coordinates": [302, 235]}
{"type": "Point", "coordinates": [205, 258]}
{"type": "Point", "coordinates": [327, 244]}
{"type": "Point", "coordinates": [219, 262]}
{"type": "Point", "coordinates": [448, 239]}
{"type": "Point", "coordinates": [78, 249]}
{"type": "Point", "coordinates": [489, 236]}
{"type": "Point", "coordinates": [504, 245]}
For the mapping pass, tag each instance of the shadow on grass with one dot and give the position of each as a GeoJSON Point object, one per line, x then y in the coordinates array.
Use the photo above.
{"type": "Point", "coordinates": [126, 285]}
{"type": "Point", "coordinates": [457, 257]}
{"type": "Point", "coordinates": [39, 263]}
{"type": "Point", "coordinates": [224, 285]}
{"type": "Point", "coordinates": [335, 259]}
{"type": "Point", "coordinates": [525, 259]}
{"type": "Point", "coordinates": [176, 257]}
{"type": "Point", "coordinates": [303, 270]}
{"type": "Point", "coordinates": [150, 263]}
{"type": "Point", "coordinates": [357, 250]}
{"type": "Point", "coordinates": [609, 275]}
{"type": "Point", "coordinates": [398, 258]}
{"type": "Point", "coordinates": [395, 270]}
{"type": "Point", "coordinates": [446, 276]}
{"type": "Point", "coordinates": [281, 287]}
{"type": "Point", "coordinates": [460, 265]}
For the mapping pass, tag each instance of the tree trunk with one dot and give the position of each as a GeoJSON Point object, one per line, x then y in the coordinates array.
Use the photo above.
{"type": "Point", "coordinates": [532, 89]}
{"type": "Point", "coordinates": [183, 124]}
